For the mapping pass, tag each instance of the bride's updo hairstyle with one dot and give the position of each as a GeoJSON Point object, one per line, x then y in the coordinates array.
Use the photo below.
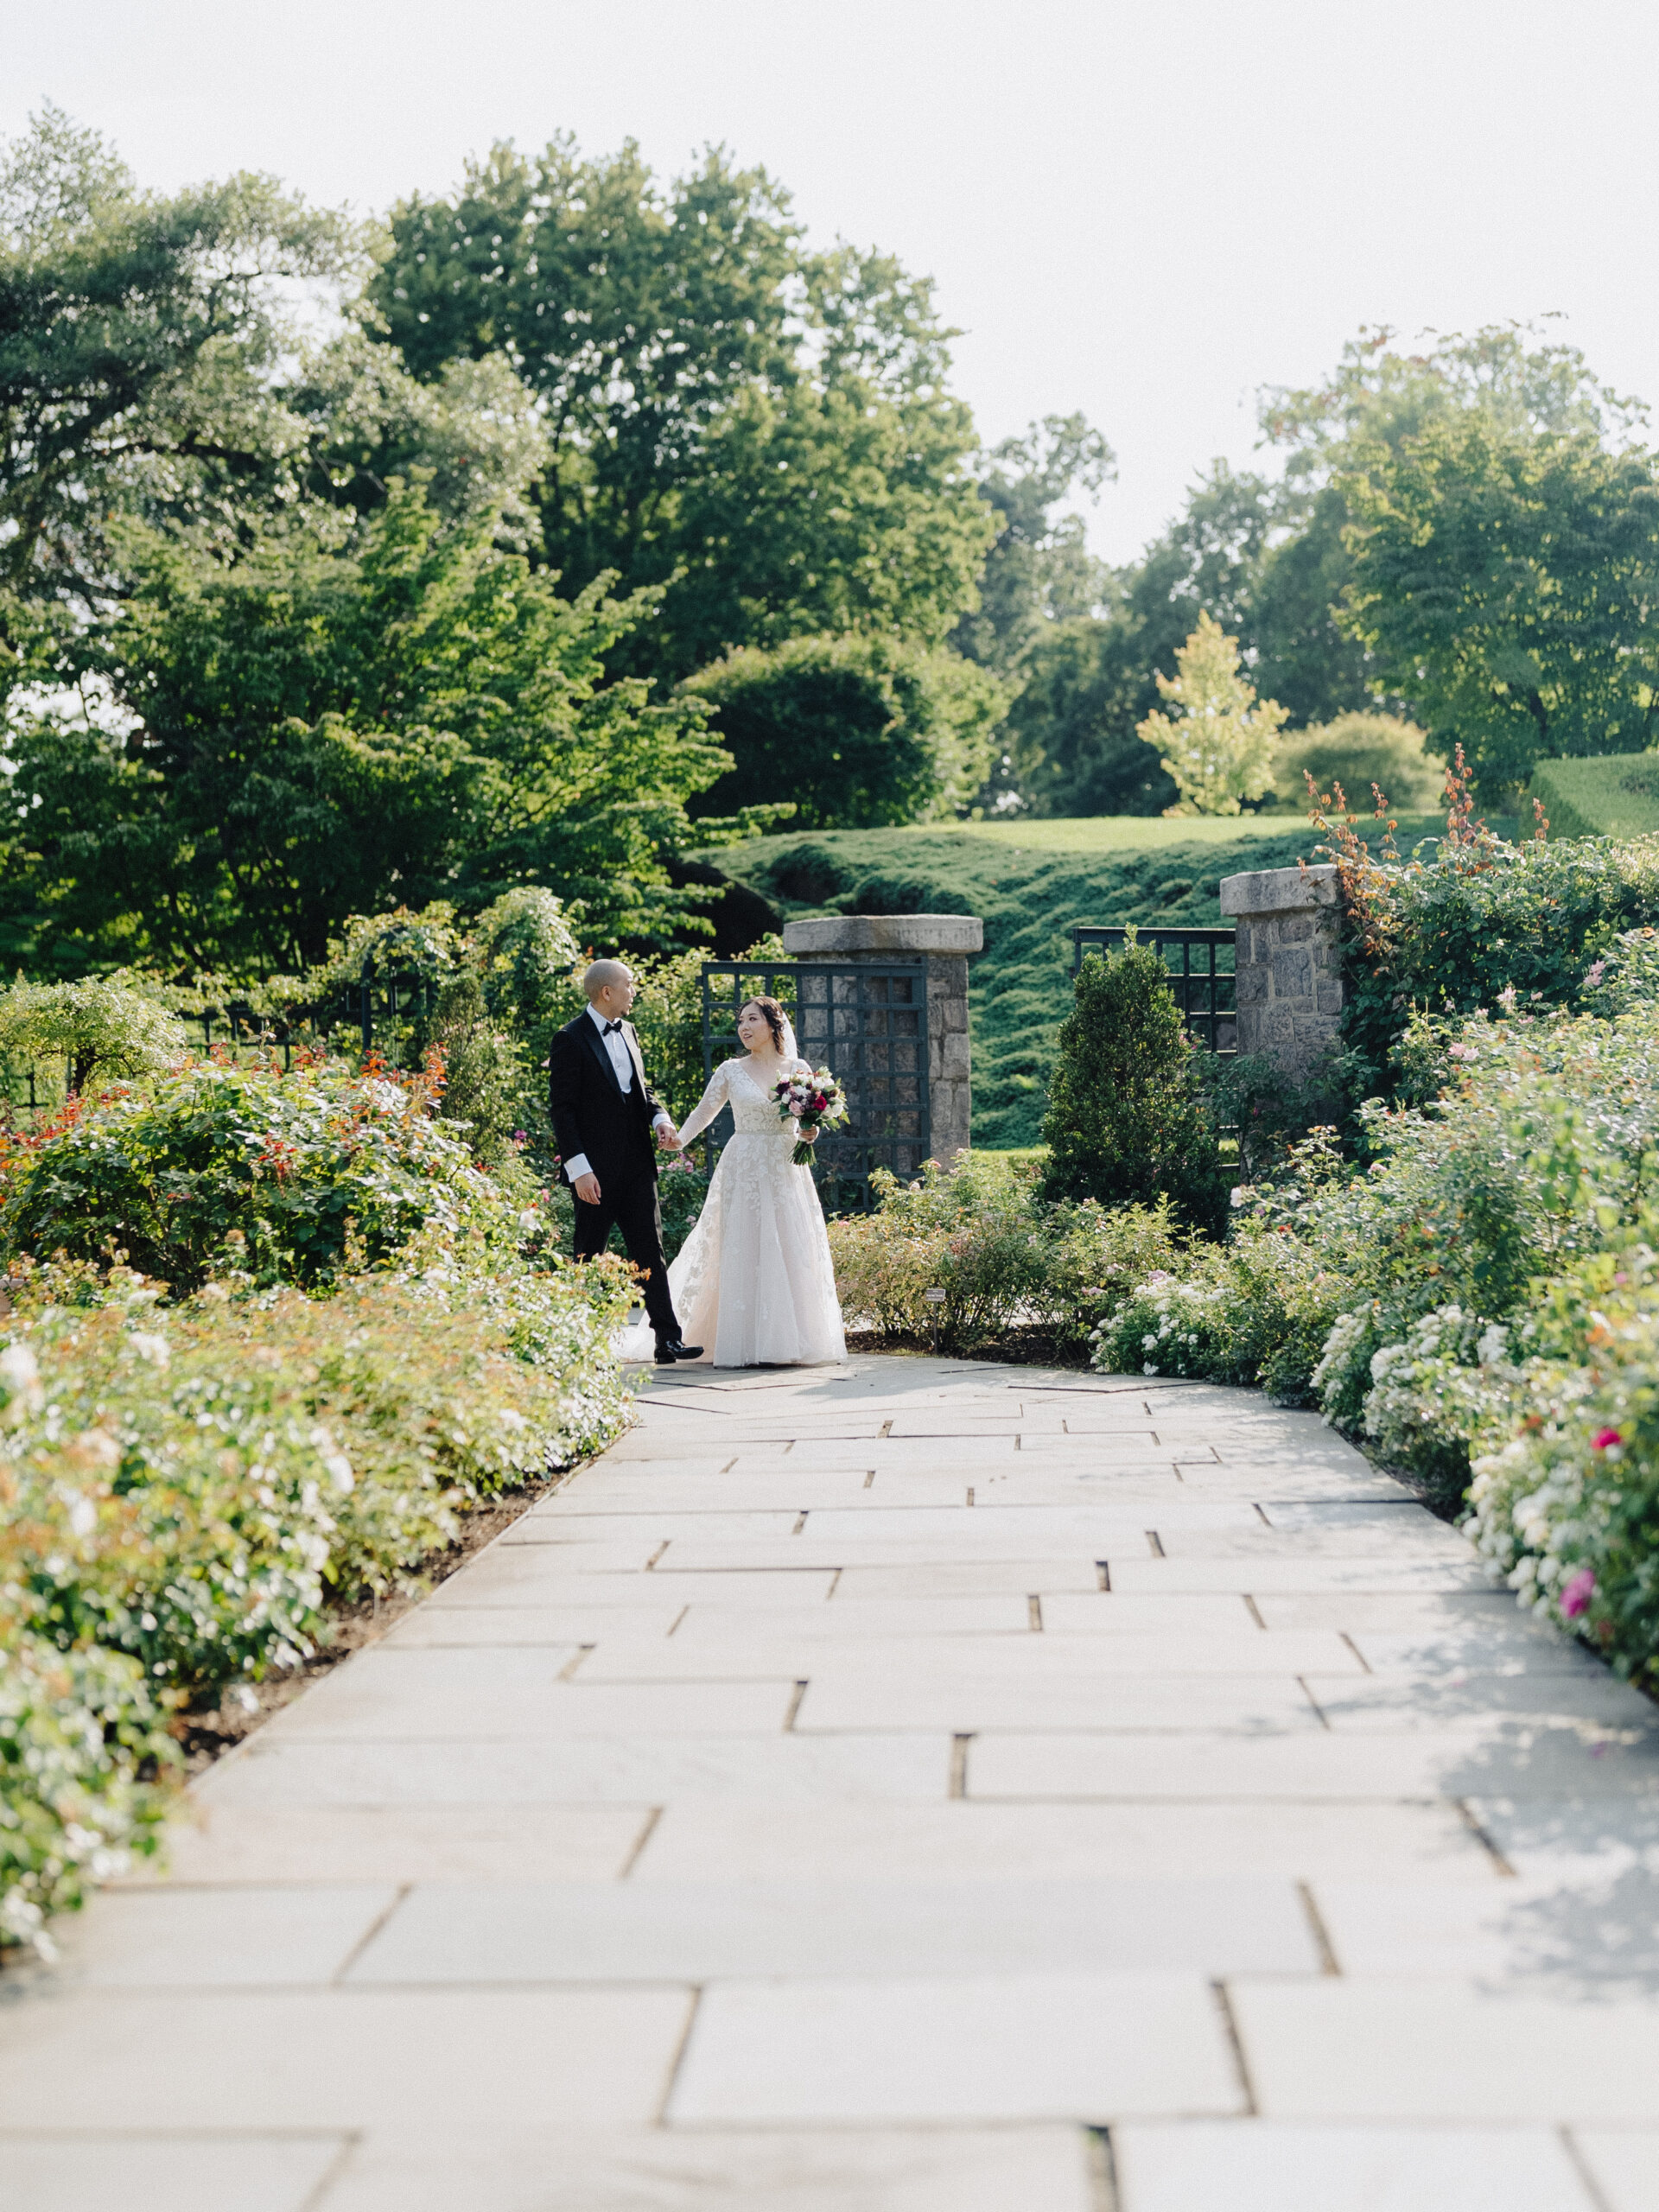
{"type": "Point", "coordinates": [773, 1014]}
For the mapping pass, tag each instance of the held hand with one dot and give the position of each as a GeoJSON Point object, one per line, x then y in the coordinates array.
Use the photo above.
{"type": "Point", "coordinates": [809, 1136]}
{"type": "Point", "coordinates": [587, 1189]}
{"type": "Point", "coordinates": [668, 1136]}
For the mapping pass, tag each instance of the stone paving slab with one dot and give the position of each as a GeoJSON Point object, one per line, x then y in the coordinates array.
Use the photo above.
{"type": "Point", "coordinates": [332, 2059]}
{"type": "Point", "coordinates": [823, 1929]}
{"type": "Point", "coordinates": [516, 1695]}
{"type": "Point", "coordinates": [967, 2168]}
{"type": "Point", "coordinates": [1623, 2163]}
{"type": "Point", "coordinates": [1011, 2047]}
{"type": "Point", "coordinates": [1581, 1936]}
{"type": "Point", "coordinates": [1022, 1659]}
{"type": "Point", "coordinates": [1256, 2166]}
{"type": "Point", "coordinates": [1447, 2049]}
{"type": "Point", "coordinates": [194, 1937]}
{"type": "Point", "coordinates": [1532, 1767]}
{"type": "Point", "coordinates": [586, 1774]}
{"type": "Point", "coordinates": [922, 1786]}
{"type": "Point", "coordinates": [491, 1840]}
{"type": "Point", "coordinates": [962, 1702]}
{"type": "Point", "coordinates": [165, 2173]}
{"type": "Point", "coordinates": [707, 1841]}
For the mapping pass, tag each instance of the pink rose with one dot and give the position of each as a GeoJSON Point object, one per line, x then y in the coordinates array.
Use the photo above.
{"type": "Point", "coordinates": [1603, 1438]}
{"type": "Point", "coordinates": [1577, 1591]}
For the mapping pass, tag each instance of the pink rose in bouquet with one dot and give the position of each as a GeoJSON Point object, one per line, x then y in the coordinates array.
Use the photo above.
{"type": "Point", "coordinates": [813, 1100]}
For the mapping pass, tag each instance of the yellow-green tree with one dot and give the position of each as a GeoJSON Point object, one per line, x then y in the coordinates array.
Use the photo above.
{"type": "Point", "coordinates": [1218, 744]}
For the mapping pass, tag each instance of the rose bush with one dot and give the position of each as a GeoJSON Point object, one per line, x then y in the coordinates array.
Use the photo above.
{"type": "Point", "coordinates": [185, 1488]}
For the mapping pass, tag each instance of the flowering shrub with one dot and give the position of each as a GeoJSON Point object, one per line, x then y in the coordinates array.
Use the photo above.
{"type": "Point", "coordinates": [282, 1175]}
{"type": "Point", "coordinates": [1431, 1394]}
{"type": "Point", "coordinates": [1565, 1500]}
{"type": "Point", "coordinates": [971, 1232]}
{"type": "Point", "coordinates": [183, 1488]}
{"type": "Point", "coordinates": [1171, 1325]}
{"type": "Point", "coordinates": [981, 1233]}
{"type": "Point", "coordinates": [1254, 1310]}
{"type": "Point", "coordinates": [1468, 918]}
{"type": "Point", "coordinates": [1625, 975]}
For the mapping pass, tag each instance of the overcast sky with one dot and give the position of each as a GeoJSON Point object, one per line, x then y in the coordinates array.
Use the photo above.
{"type": "Point", "coordinates": [1142, 210]}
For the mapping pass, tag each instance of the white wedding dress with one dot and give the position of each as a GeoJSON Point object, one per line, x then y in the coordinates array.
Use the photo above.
{"type": "Point", "coordinates": [754, 1283]}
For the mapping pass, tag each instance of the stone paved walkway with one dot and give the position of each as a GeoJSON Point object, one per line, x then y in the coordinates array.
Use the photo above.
{"type": "Point", "coordinates": [920, 1788]}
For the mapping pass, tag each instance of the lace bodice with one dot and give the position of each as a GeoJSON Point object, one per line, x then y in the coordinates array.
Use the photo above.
{"type": "Point", "coordinates": [755, 1113]}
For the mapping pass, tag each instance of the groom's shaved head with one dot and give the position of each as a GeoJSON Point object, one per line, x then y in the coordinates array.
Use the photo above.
{"type": "Point", "coordinates": [604, 975]}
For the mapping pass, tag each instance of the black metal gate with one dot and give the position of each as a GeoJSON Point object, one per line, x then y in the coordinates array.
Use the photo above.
{"type": "Point", "coordinates": [867, 1022]}
{"type": "Point", "coordinates": [1201, 974]}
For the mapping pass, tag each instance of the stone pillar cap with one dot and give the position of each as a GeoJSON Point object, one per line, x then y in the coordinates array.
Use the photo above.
{"type": "Point", "coordinates": [894, 933]}
{"type": "Point", "coordinates": [1279, 890]}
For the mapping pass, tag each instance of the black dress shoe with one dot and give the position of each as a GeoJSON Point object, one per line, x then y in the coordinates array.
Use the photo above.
{"type": "Point", "coordinates": [667, 1353]}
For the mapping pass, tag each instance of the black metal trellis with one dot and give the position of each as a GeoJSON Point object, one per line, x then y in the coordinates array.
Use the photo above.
{"type": "Point", "coordinates": [865, 1022]}
{"type": "Point", "coordinates": [1201, 975]}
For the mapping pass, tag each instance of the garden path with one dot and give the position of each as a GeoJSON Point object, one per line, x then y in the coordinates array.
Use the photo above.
{"type": "Point", "coordinates": [922, 1787]}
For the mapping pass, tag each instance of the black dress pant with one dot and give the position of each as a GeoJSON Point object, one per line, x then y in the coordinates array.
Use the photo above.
{"type": "Point", "coordinates": [632, 1206]}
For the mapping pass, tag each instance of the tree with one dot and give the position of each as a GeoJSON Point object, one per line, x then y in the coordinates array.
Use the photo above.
{"type": "Point", "coordinates": [1268, 561]}
{"type": "Point", "coordinates": [263, 748]}
{"type": "Point", "coordinates": [1219, 744]}
{"type": "Point", "coordinates": [850, 732]}
{"type": "Point", "coordinates": [137, 335]}
{"type": "Point", "coordinates": [765, 430]}
{"type": "Point", "coordinates": [1125, 1124]}
{"type": "Point", "coordinates": [1506, 579]}
{"type": "Point", "coordinates": [98, 1027]}
{"type": "Point", "coordinates": [1069, 733]}
{"type": "Point", "coordinates": [1039, 570]}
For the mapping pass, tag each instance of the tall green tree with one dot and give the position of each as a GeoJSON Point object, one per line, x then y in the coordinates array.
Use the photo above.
{"type": "Point", "coordinates": [1507, 580]}
{"type": "Point", "coordinates": [766, 430]}
{"type": "Point", "coordinates": [240, 755]}
{"type": "Point", "coordinates": [138, 335]}
{"type": "Point", "coordinates": [1039, 570]}
{"type": "Point", "coordinates": [1268, 561]}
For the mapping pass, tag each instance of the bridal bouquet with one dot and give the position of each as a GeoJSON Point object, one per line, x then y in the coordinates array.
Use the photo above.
{"type": "Point", "coordinates": [814, 1101]}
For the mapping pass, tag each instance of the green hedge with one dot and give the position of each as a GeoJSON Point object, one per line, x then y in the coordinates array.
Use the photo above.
{"type": "Point", "coordinates": [1617, 795]}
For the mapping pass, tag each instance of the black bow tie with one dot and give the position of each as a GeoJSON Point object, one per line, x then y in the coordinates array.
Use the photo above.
{"type": "Point", "coordinates": [611, 1028]}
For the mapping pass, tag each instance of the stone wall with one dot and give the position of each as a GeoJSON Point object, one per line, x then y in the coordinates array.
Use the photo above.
{"type": "Point", "coordinates": [943, 944]}
{"type": "Point", "coordinates": [1290, 956]}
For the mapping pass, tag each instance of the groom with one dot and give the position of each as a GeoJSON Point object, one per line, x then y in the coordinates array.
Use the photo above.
{"type": "Point", "coordinates": [603, 1116]}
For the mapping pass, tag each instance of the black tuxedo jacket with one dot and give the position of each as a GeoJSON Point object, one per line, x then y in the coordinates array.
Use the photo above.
{"type": "Point", "coordinates": [591, 1113]}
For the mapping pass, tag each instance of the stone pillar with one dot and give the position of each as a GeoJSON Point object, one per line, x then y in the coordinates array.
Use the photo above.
{"type": "Point", "coordinates": [1289, 957]}
{"type": "Point", "coordinates": [943, 944]}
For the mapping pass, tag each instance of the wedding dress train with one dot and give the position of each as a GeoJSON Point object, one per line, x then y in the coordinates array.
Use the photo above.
{"type": "Point", "coordinates": [754, 1282]}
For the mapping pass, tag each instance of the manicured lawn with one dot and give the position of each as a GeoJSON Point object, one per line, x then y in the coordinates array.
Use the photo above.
{"type": "Point", "coordinates": [1140, 833]}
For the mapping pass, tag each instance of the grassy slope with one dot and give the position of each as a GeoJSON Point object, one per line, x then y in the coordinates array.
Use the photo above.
{"type": "Point", "coordinates": [1616, 796]}
{"type": "Point", "coordinates": [1029, 890]}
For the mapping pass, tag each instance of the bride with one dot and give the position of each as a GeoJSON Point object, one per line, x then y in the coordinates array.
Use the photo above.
{"type": "Point", "coordinates": [754, 1281]}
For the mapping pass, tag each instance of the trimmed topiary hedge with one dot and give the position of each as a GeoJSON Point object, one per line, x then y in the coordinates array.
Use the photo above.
{"type": "Point", "coordinates": [1617, 795]}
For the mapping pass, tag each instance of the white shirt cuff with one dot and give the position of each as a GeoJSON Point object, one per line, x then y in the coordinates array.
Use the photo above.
{"type": "Point", "coordinates": [663, 1120]}
{"type": "Point", "coordinates": [576, 1167]}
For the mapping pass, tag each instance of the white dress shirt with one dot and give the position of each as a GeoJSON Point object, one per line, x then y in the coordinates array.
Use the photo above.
{"type": "Point", "coordinates": [621, 1060]}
